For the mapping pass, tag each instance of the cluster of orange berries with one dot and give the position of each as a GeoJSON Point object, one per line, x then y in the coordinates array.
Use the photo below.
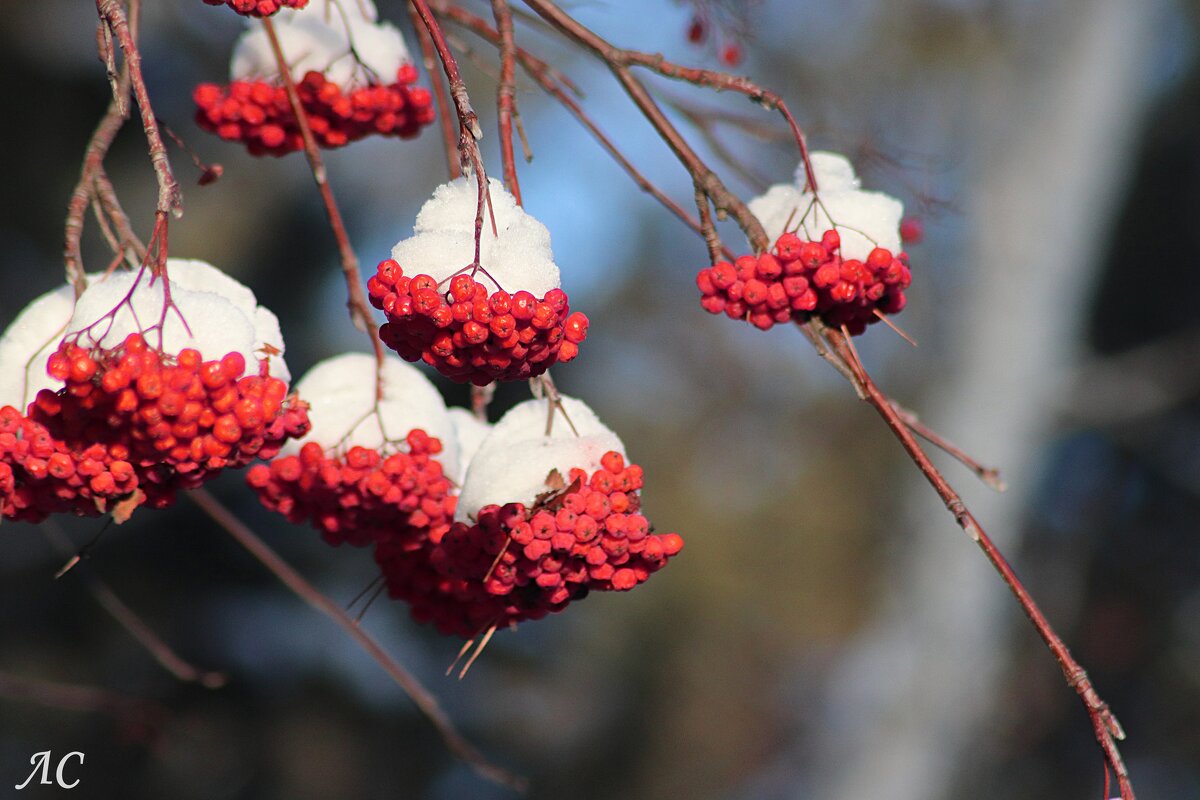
{"type": "Point", "coordinates": [471, 336]}
{"type": "Point", "coordinates": [802, 279]}
{"type": "Point", "coordinates": [362, 497]}
{"type": "Point", "coordinates": [258, 114]}
{"type": "Point", "coordinates": [258, 8]}
{"type": "Point", "coordinates": [516, 563]}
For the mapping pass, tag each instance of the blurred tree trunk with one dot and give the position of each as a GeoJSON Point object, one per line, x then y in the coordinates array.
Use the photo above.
{"type": "Point", "coordinates": [1056, 114]}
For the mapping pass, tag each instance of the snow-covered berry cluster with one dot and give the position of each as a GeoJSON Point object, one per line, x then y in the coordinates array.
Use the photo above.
{"type": "Point", "coordinates": [837, 255]}
{"type": "Point", "coordinates": [258, 8]}
{"type": "Point", "coordinates": [118, 418]}
{"type": "Point", "coordinates": [353, 75]}
{"type": "Point", "coordinates": [258, 114]}
{"type": "Point", "coordinates": [803, 279]}
{"type": "Point", "coordinates": [543, 519]}
{"type": "Point", "coordinates": [520, 563]}
{"type": "Point", "coordinates": [351, 477]}
{"type": "Point", "coordinates": [504, 319]}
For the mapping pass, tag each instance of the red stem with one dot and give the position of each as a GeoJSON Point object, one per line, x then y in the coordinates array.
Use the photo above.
{"type": "Point", "coordinates": [356, 300]}
{"type": "Point", "coordinates": [505, 100]}
{"type": "Point", "coordinates": [421, 696]}
{"type": "Point", "coordinates": [1105, 725]}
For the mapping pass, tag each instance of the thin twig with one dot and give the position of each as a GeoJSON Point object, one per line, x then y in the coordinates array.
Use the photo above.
{"type": "Point", "coordinates": [128, 619]}
{"type": "Point", "coordinates": [506, 95]}
{"type": "Point", "coordinates": [146, 714]}
{"type": "Point", "coordinates": [356, 300]}
{"type": "Point", "coordinates": [1104, 723]}
{"type": "Point", "coordinates": [421, 696]}
{"type": "Point", "coordinates": [429, 57]}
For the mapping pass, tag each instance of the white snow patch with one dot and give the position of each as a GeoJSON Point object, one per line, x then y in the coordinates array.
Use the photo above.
{"type": "Point", "coordinates": [222, 315]}
{"type": "Point", "coordinates": [320, 38]}
{"type": "Point", "coordinates": [340, 392]}
{"type": "Point", "coordinates": [470, 432]}
{"type": "Point", "coordinates": [443, 241]}
{"type": "Point", "coordinates": [864, 219]}
{"type": "Point", "coordinates": [28, 342]}
{"type": "Point", "coordinates": [514, 460]}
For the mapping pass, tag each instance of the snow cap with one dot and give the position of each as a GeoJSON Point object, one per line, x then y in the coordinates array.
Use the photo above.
{"type": "Point", "coordinates": [222, 316]}
{"type": "Point", "coordinates": [319, 38]}
{"type": "Point", "coordinates": [340, 392]}
{"type": "Point", "coordinates": [471, 432]}
{"type": "Point", "coordinates": [512, 463]}
{"type": "Point", "coordinates": [864, 220]}
{"type": "Point", "coordinates": [443, 241]}
{"type": "Point", "coordinates": [28, 342]}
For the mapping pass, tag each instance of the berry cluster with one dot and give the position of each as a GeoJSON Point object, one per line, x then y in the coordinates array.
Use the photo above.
{"type": "Point", "coordinates": [133, 418]}
{"type": "Point", "coordinates": [803, 279]}
{"type": "Point", "coordinates": [362, 497]}
{"type": "Point", "coordinates": [468, 335]}
{"type": "Point", "coordinates": [518, 564]}
{"type": "Point", "coordinates": [258, 114]}
{"type": "Point", "coordinates": [258, 8]}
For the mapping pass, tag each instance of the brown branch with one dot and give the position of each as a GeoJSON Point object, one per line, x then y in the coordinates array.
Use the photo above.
{"type": "Point", "coordinates": [1104, 723]}
{"type": "Point", "coordinates": [549, 80]}
{"type": "Point", "coordinates": [421, 697]}
{"type": "Point", "coordinates": [169, 198]}
{"type": "Point", "coordinates": [989, 475]}
{"type": "Point", "coordinates": [454, 169]}
{"type": "Point", "coordinates": [146, 714]}
{"type": "Point", "coordinates": [469, 132]}
{"type": "Point", "coordinates": [128, 619]}
{"type": "Point", "coordinates": [619, 61]}
{"type": "Point", "coordinates": [356, 300]}
{"type": "Point", "coordinates": [505, 95]}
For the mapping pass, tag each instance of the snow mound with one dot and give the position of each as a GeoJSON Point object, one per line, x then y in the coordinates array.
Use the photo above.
{"type": "Point", "coordinates": [324, 37]}
{"type": "Point", "coordinates": [212, 313]}
{"type": "Point", "coordinates": [512, 463]}
{"type": "Point", "coordinates": [864, 219]}
{"type": "Point", "coordinates": [470, 432]}
{"type": "Point", "coordinates": [443, 241]}
{"type": "Point", "coordinates": [28, 342]}
{"type": "Point", "coordinates": [340, 392]}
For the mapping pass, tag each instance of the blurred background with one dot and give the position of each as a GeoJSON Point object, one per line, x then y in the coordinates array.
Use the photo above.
{"type": "Point", "coordinates": [828, 632]}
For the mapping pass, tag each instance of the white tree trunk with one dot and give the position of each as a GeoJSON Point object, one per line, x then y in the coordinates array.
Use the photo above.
{"type": "Point", "coordinates": [1056, 120]}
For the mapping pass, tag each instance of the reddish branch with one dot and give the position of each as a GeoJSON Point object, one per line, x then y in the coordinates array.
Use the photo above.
{"type": "Point", "coordinates": [145, 715]}
{"type": "Point", "coordinates": [424, 700]}
{"type": "Point", "coordinates": [619, 62]}
{"type": "Point", "coordinates": [505, 94]}
{"type": "Point", "coordinates": [560, 88]}
{"type": "Point", "coordinates": [445, 124]}
{"type": "Point", "coordinates": [356, 300]}
{"type": "Point", "coordinates": [1104, 723]}
{"type": "Point", "coordinates": [169, 199]}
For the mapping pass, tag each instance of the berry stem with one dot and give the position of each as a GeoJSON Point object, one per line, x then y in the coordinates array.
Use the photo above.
{"type": "Point", "coordinates": [421, 696]}
{"type": "Point", "coordinates": [1104, 723]}
{"type": "Point", "coordinates": [469, 132]}
{"type": "Point", "coordinates": [505, 95]}
{"type": "Point", "coordinates": [356, 300]}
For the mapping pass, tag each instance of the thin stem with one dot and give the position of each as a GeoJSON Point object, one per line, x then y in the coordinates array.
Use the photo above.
{"type": "Point", "coordinates": [550, 80]}
{"type": "Point", "coordinates": [169, 198]}
{"type": "Point", "coordinates": [469, 132]}
{"type": "Point", "coordinates": [453, 167]}
{"type": "Point", "coordinates": [146, 714]}
{"type": "Point", "coordinates": [989, 475]}
{"type": "Point", "coordinates": [505, 95]}
{"type": "Point", "coordinates": [421, 696]}
{"type": "Point", "coordinates": [356, 300]}
{"type": "Point", "coordinates": [128, 619]}
{"type": "Point", "coordinates": [618, 61]}
{"type": "Point", "coordinates": [1104, 723]}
